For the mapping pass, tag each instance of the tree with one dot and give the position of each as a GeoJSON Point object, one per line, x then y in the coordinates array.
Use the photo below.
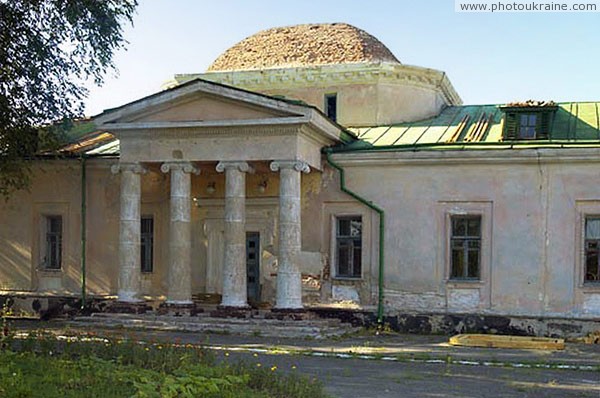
{"type": "Point", "coordinates": [49, 50]}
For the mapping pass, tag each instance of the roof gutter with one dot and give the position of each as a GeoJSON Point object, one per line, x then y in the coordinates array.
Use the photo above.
{"type": "Point", "coordinates": [501, 145]}
{"type": "Point", "coordinates": [381, 214]}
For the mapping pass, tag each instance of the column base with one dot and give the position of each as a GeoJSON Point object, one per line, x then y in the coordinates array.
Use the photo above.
{"type": "Point", "coordinates": [178, 309]}
{"type": "Point", "coordinates": [121, 307]}
{"type": "Point", "coordinates": [294, 314]}
{"type": "Point", "coordinates": [224, 311]}
{"type": "Point", "coordinates": [128, 297]}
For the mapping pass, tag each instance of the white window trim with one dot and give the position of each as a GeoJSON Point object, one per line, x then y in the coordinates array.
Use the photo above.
{"type": "Point", "coordinates": [484, 209]}
{"type": "Point", "coordinates": [43, 211]}
{"type": "Point", "coordinates": [368, 259]}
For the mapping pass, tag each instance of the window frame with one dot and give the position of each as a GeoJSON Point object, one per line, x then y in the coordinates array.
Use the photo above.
{"type": "Point", "coordinates": [352, 273]}
{"type": "Point", "coordinates": [466, 239]}
{"type": "Point", "coordinates": [529, 126]}
{"type": "Point", "coordinates": [326, 104]}
{"type": "Point", "coordinates": [542, 128]}
{"type": "Point", "coordinates": [584, 209]}
{"type": "Point", "coordinates": [144, 237]}
{"type": "Point", "coordinates": [51, 239]}
{"type": "Point", "coordinates": [445, 210]}
{"type": "Point", "coordinates": [584, 249]}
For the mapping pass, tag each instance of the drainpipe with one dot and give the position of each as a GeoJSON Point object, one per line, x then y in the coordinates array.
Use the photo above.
{"type": "Point", "coordinates": [83, 228]}
{"type": "Point", "coordinates": [381, 229]}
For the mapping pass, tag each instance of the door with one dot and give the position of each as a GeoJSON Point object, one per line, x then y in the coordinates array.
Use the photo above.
{"type": "Point", "coordinates": [253, 267]}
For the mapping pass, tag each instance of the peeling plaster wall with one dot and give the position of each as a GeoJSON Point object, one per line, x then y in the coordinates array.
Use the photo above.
{"type": "Point", "coordinates": [532, 256]}
{"type": "Point", "coordinates": [368, 94]}
{"type": "Point", "coordinates": [535, 210]}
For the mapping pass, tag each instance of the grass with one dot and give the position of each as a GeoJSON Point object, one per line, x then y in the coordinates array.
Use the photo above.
{"type": "Point", "coordinates": [43, 365]}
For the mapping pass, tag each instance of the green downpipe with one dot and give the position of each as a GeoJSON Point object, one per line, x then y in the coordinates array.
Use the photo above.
{"type": "Point", "coordinates": [381, 230]}
{"type": "Point", "coordinates": [83, 228]}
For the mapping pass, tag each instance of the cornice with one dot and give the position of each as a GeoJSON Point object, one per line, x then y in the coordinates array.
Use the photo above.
{"type": "Point", "coordinates": [319, 76]}
{"type": "Point", "coordinates": [480, 157]}
{"type": "Point", "coordinates": [278, 121]}
{"type": "Point", "coordinates": [221, 131]}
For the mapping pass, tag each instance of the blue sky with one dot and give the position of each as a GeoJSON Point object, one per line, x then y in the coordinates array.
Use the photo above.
{"type": "Point", "coordinates": [490, 58]}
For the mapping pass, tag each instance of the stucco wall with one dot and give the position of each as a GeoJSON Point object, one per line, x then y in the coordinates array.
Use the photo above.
{"type": "Point", "coordinates": [532, 208]}
{"type": "Point", "coordinates": [533, 205]}
{"type": "Point", "coordinates": [55, 190]}
{"type": "Point", "coordinates": [368, 94]}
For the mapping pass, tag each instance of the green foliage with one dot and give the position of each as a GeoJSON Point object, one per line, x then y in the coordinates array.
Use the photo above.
{"type": "Point", "coordinates": [40, 365]}
{"type": "Point", "coordinates": [48, 50]}
{"type": "Point", "coordinates": [191, 383]}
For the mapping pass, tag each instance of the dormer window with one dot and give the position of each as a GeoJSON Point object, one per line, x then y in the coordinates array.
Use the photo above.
{"type": "Point", "coordinates": [530, 120]}
{"type": "Point", "coordinates": [527, 126]}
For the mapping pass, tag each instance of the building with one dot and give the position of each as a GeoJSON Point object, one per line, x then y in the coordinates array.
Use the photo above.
{"type": "Point", "coordinates": [309, 167]}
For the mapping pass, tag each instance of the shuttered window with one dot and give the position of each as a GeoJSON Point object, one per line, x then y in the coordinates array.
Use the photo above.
{"type": "Point", "coordinates": [527, 125]}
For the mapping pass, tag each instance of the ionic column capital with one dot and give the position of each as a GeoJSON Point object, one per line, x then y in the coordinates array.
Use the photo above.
{"type": "Point", "coordinates": [241, 166]}
{"type": "Point", "coordinates": [297, 165]}
{"type": "Point", "coordinates": [133, 167]}
{"type": "Point", "coordinates": [186, 167]}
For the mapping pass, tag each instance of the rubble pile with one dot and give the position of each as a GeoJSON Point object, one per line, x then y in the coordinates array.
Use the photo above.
{"type": "Point", "coordinates": [304, 45]}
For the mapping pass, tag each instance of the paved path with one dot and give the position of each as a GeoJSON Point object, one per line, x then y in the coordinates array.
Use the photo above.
{"type": "Point", "coordinates": [359, 378]}
{"type": "Point", "coordinates": [406, 365]}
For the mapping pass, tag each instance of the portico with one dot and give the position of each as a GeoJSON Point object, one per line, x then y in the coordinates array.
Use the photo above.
{"type": "Point", "coordinates": [184, 130]}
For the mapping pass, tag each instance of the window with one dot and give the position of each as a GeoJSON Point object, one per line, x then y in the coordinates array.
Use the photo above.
{"type": "Point", "coordinates": [348, 246]}
{"type": "Point", "coordinates": [528, 122]}
{"type": "Point", "coordinates": [53, 252]}
{"type": "Point", "coordinates": [331, 106]}
{"type": "Point", "coordinates": [527, 126]}
{"type": "Point", "coordinates": [465, 247]}
{"type": "Point", "coordinates": [592, 250]}
{"type": "Point", "coordinates": [147, 243]}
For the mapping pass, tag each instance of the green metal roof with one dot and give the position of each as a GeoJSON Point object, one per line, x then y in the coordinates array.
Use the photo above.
{"type": "Point", "coordinates": [477, 126]}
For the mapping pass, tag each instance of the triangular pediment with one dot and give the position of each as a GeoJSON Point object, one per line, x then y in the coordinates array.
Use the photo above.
{"type": "Point", "coordinates": [206, 121]}
{"type": "Point", "coordinates": [203, 107]}
{"type": "Point", "coordinates": [202, 101]}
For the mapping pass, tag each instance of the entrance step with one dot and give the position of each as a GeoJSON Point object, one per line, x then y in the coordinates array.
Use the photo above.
{"type": "Point", "coordinates": [204, 323]}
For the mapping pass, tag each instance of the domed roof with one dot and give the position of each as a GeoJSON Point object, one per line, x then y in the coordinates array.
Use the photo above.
{"type": "Point", "coordinates": [303, 45]}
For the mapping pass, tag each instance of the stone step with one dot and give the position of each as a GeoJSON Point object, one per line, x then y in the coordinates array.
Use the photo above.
{"type": "Point", "coordinates": [322, 328]}
{"type": "Point", "coordinates": [323, 323]}
{"type": "Point", "coordinates": [205, 317]}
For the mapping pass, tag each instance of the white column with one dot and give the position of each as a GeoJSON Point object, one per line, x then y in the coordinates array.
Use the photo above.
{"type": "Point", "coordinates": [234, 271]}
{"type": "Point", "coordinates": [289, 279]}
{"type": "Point", "coordinates": [129, 231]}
{"type": "Point", "coordinates": [180, 245]}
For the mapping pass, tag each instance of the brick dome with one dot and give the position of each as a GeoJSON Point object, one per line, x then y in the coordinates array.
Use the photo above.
{"type": "Point", "coordinates": [303, 45]}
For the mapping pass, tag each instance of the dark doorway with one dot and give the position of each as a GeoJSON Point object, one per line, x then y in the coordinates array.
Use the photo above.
{"type": "Point", "coordinates": [253, 267]}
